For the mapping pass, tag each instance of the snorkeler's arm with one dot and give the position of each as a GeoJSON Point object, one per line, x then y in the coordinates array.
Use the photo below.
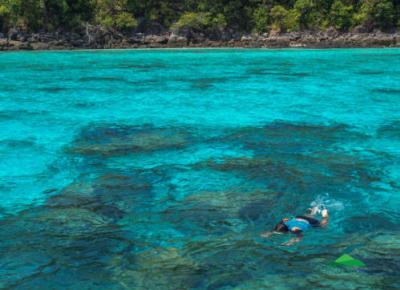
{"type": "Point", "coordinates": [299, 236]}
{"type": "Point", "coordinates": [267, 234]}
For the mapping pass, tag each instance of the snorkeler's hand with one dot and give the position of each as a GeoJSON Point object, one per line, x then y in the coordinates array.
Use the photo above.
{"type": "Point", "coordinates": [287, 244]}
{"type": "Point", "coordinates": [267, 234]}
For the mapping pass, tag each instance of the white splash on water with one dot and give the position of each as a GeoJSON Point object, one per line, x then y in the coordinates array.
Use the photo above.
{"type": "Point", "coordinates": [324, 201]}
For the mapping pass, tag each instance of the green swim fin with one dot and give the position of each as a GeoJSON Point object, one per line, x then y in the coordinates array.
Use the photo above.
{"type": "Point", "coordinates": [349, 261]}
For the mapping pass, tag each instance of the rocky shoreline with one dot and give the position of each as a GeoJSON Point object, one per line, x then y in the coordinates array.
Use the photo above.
{"type": "Point", "coordinates": [101, 38]}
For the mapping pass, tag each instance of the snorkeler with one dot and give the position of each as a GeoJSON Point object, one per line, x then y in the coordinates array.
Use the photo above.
{"type": "Point", "coordinates": [299, 224]}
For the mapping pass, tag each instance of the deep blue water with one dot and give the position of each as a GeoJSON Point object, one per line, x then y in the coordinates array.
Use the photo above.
{"type": "Point", "coordinates": [160, 169]}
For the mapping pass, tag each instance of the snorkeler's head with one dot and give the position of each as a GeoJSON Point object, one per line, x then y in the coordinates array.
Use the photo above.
{"type": "Point", "coordinates": [281, 227]}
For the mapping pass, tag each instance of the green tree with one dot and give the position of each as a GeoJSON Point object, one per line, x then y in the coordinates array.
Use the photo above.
{"type": "Point", "coordinates": [308, 14]}
{"type": "Point", "coordinates": [192, 20]}
{"type": "Point", "coordinates": [217, 23]}
{"type": "Point", "coordinates": [340, 15]}
{"type": "Point", "coordinates": [376, 13]}
{"type": "Point", "coordinates": [31, 14]}
{"type": "Point", "coordinates": [79, 12]}
{"type": "Point", "coordinates": [279, 18]}
{"type": "Point", "coordinates": [208, 16]}
{"type": "Point", "coordinates": [236, 14]}
{"type": "Point", "coordinates": [156, 12]}
{"type": "Point", "coordinates": [200, 22]}
{"type": "Point", "coordinates": [4, 16]}
{"type": "Point", "coordinates": [261, 19]}
{"type": "Point", "coordinates": [115, 14]}
{"type": "Point", "coordinates": [54, 13]}
{"type": "Point", "coordinates": [384, 14]}
{"type": "Point", "coordinates": [292, 20]}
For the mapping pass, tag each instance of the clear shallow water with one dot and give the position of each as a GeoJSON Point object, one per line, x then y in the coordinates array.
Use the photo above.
{"type": "Point", "coordinates": [159, 169]}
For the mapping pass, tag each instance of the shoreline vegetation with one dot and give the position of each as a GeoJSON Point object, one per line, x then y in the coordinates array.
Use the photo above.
{"type": "Point", "coordinates": [100, 24]}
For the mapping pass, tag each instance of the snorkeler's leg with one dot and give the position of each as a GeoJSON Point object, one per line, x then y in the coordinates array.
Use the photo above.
{"type": "Point", "coordinates": [325, 213]}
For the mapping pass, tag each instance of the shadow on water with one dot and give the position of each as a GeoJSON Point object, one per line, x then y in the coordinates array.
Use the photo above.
{"type": "Point", "coordinates": [126, 227]}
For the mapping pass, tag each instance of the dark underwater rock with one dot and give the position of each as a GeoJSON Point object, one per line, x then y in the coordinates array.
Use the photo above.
{"type": "Point", "coordinates": [229, 201]}
{"type": "Point", "coordinates": [157, 268]}
{"type": "Point", "coordinates": [276, 174]}
{"type": "Point", "coordinates": [391, 130]}
{"type": "Point", "coordinates": [205, 83]}
{"type": "Point", "coordinates": [124, 191]}
{"type": "Point", "coordinates": [121, 140]}
{"type": "Point", "coordinates": [387, 91]}
{"type": "Point", "coordinates": [257, 210]}
{"type": "Point", "coordinates": [94, 204]}
{"type": "Point", "coordinates": [76, 195]}
{"type": "Point", "coordinates": [216, 255]}
{"type": "Point", "coordinates": [109, 223]}
{"type": "Point", "coordinates": [219, 213]}
{"type": "Point", "coordinates": [69, 200]}
{"type": "Point", "coordinates": [300, 158]}
{"type": "Point", "coordinates": [102, 79]}
{"type": "Point", "coordinates": [368, 223]}
{"type": "Point", "coordinates": [197, 218]}
{"type": "Point", "coordinates": [109, 195]}
{"type": "Point", "coordinates": [300, 174]}
{"type": "Point", "coordinates": [66, 221]}
{"type": "Point", "coordinates": [42, 245]}
{"type": "Point", "coordinates": [289, 137]}
{"type": "Point", "coordinates": [109, 211]}
{"type": "Point", "coordinates": [115, 181]}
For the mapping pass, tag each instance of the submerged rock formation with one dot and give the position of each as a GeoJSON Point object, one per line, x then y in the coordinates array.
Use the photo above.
{"type": "Point", "coordinates": [112, 140]}
{"type": "Point", "coordinates": [124, 226]}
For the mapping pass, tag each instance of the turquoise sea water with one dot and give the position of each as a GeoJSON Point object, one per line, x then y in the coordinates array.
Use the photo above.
{"type": "Point", "coordinates": [160, 169]}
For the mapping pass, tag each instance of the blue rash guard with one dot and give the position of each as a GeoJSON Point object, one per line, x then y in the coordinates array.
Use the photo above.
{"type": "Point", "coordinates": [303, 225]}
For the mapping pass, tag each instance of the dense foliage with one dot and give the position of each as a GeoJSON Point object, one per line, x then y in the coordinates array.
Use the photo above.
{"type": "Point", "coordinates": [200, 15]}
